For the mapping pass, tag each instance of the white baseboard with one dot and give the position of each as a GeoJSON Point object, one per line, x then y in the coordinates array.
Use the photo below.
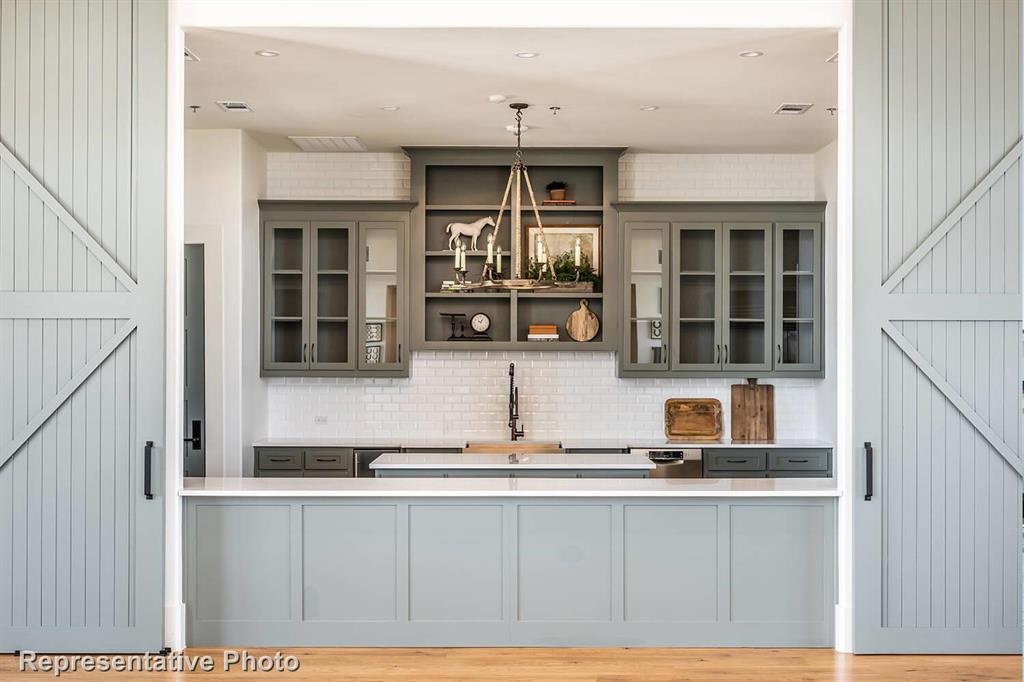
{"type": "Point", "coordinates": [174, 626]}
{"type": "Point", "coordinates": [844, 629]}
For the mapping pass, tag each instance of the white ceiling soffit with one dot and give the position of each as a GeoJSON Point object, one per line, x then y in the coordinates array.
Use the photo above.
{"type": "Point", "coordinates": [334, 81]}
{"type": "Point", "coordinates": [321, 143]}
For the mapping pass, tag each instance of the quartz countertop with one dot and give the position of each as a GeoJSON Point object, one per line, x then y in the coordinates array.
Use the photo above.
{"type": "Point", "coordinates": [510, 487]}
{"type": "Point", "coordinates": [457, 460]}
{"type": "Point", "coordinates": [376, 443]}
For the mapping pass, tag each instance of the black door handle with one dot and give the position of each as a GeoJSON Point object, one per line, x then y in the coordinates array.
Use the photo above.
{"type": "Point", "coordinates": [869, 472]}
{"type": "Point", "coordinates": [148, 471]}
{"type": "Point", "coordinates": [197, 435]}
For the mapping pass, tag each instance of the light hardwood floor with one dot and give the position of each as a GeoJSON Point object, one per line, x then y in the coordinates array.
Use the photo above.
{"type": "Point", "coordinates": [597, 665]}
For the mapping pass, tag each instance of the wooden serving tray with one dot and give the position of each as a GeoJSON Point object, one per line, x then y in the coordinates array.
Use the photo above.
{"type": "Point", "coordinates": [693, 419]}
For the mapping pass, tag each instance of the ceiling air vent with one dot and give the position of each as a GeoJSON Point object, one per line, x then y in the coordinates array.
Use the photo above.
{"type": "Point", "coordinates": [234, 105]}
{"type": "Point", "coordinates": [792, 109]}
{"type": "Point", "coordinates": [327, 143]}
{"type": "Point", "coordinates": [190, 56]}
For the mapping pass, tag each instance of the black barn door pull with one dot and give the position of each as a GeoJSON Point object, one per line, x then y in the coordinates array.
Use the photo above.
{"type": "Point", "coordinates": [869, 472]}
{"type": "Point", "coordinates": [148, 471]}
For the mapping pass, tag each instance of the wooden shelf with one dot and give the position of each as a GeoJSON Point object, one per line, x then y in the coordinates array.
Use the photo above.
{"type": "Point", "coordinates": [451, 254]}
{"type": "Point", "coordinates": [467, 294]}
{"type": "Point", "coordinates": [694, 319]}
{"type": "Point", "coordinates": [558, 294]}
{"type": "Point", "coordinates": [286, 318]}
{"type": "Point", "coordinates": [330, 318]}
{"type": "Point", "coordinates": [589, 208]}
{"type": "Point", "coordinates": [332, 272]}
{"type": "Point", "coordinates": [700, 273]}
{"type": "Point", "coordinates": [286, 272]}
{"type": "Point", "coordinates": [798, 272]}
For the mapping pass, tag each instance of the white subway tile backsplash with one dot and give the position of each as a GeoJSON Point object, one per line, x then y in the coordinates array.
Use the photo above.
{"type": "Point", "coordinates": [463, 395]}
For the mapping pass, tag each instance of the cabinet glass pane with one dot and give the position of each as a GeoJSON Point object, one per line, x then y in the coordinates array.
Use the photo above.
{"type": "Point", "coordinates": [380, 295]}
{"type": "Point", "coordinates": [747, 297]}
{"type": "Point", "coordinates": [797, 342]}
{"type": "Point", "coordinates": [646, 342]}
{"type": "Point", "coordinates": [798, 296]}
{"type": "Point", "coordinates": [332, 249]}
{"type": "Point", "coordinates": [697, 343]}
{"type": "Point", "coordinates": [746, 343]}
{"type": "Point", "coordinates": [697, 296]}
{"type": "Point", "coordinates": [286, 340]}
{"type": "Point", "coordinates": [288, 295]}
{"type": "Point", "coordinates": [287, 249]}
{"type": "Point", "coordinates": [646, 270]}
{"type": "Point", "coordinates": [645, 295]}
{"type": "Point", "coordinates": [697, 251]}
{"type": "Point", "coordinates": [746, 250]}
{"type": "Point", "coordinates": [332, 295]}
{"type": "Point", "coordinates": [797, 250]}
{"type": "Point", "coordinates": [331, 341]}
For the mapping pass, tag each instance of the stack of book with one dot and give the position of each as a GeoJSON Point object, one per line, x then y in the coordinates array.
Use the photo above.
{"type": "Point", "coordinates": [542, 332]}
{"type": "Point", "coordinates": [559, 202]}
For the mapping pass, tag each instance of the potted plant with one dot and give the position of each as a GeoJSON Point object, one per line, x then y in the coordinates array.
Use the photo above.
{"type": "Point", "coordinates": [565, 271]}
{"type": "Point", "coordinates": [556, 190]}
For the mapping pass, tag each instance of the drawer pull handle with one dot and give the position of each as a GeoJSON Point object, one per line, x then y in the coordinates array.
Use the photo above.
{"type": "Point", "coordinates": [798, 461]}
{"type": "Point", "coordinates": [737, 461]}
{"type": "Point", "coordinates": [280, 459]}
{"type": "Point", "coordinates": [327, 459]}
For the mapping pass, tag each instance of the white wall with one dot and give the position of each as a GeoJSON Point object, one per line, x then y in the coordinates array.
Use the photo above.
{"type": "Point", "coordinates": [826, 167]}
{"type": "Point", "coordinates": [224, 177]}
{"type": "Point", "coordinates": [464, 394]}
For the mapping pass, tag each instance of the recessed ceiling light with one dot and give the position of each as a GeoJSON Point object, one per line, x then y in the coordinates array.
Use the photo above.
{"type": "Point", "coordinates": [267, 53]}
{"type": "Point", "coordinates": [752, 53]}
{"type": "Point", "coordinates": [649, 107]}
{"type": "Point", "coordinates": [512, 128]}
{"type": "Point", "coordinates": [390, 107]}
{"type": "Point", "coordinates": [527, 55]}
{"type": "Point", "coordinates": [496, 99]}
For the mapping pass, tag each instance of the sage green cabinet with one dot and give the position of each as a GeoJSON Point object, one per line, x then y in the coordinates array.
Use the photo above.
{"type": "Point", "coordinates": [730, 290]}
{"type": "Point", "coordinates": [334, 280]}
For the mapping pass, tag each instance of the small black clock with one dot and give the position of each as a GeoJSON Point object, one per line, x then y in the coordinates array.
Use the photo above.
{"type": "Point", "coordinates": [481, 324]}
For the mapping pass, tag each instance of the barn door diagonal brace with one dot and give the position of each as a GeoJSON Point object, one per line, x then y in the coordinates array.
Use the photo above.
{"type": "Point", "coordinates": [953, 396]}
{"type": "Point", "coordinates": [64, 215]}
{"type": "Point", "coordinates": [936, 235]}
{"type": "Point", "coordinates": [54, 403]}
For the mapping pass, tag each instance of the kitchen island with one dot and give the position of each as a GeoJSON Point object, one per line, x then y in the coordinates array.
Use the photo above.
{"type": "Point", "coordinates": [457, 464]}
{"type": "Point", "coordinates": [510, 562]}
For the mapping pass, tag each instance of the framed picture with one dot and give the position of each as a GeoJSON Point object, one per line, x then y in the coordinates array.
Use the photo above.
{"type": "Point", "coordinates": [655, 329]}
{"type": "Point", "coordinates": [374, 331]}
{"type": "Point", "coordinates": [562, 238]}
{"type": "Point", "coordinates": [373, 355]}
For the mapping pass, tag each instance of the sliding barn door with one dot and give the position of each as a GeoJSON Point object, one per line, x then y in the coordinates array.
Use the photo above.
{"type": "Point", "coordinates": [82, 168]}
{"type": "Point", "coordinates": [937, 326]}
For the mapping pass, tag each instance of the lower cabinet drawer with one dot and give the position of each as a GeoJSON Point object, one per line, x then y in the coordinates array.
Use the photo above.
{"type": "Point", "coordinates": [279, 473]}
{"type": "Point", "coordinates": [329, 458]}
{"type": "Point", "coordinates": [735, 460]}
{"type": "Point", "coordinates": [798, 460]}
{"type": "Point", "coordinates": [279, 458]}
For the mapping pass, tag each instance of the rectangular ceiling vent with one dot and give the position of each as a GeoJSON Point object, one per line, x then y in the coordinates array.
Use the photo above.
{"type": "Point", "coordinates": [792, 109]}
{"type": "Point", "coordinates": [233, 105]}
{"type": "Point", "coordinates": [190, 56]}
{"type": "Point", "coordinates": [327, 143]}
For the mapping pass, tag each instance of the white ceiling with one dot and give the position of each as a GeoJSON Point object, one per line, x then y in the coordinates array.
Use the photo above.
{"type": "Point", "coordinates": [333, 81]}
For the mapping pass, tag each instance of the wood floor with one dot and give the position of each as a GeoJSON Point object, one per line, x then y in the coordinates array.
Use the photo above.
{"type": "Point", "coordinates": [597, 665]}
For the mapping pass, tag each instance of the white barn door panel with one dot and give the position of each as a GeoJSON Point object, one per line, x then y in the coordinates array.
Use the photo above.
{"type": "Point", "coordinates": [82, 159]}
{"type": "Point", "coordinates": [937, 324]}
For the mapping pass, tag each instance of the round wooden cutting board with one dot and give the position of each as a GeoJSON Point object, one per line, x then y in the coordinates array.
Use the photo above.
{"type": "Point", "coordinates": [582, 324]}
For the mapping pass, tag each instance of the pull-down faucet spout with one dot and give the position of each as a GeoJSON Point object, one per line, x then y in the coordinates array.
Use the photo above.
{"type": "Point", "coordinates": [513, 404]}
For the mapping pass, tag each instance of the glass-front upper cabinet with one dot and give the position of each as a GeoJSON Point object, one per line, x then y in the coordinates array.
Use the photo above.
{"type": "Point", "coordinates": [383, 296]}
{"type": "Point", "coordinates": [748, 303]}
{"type": "Point", "coordinates": [285, 300]}
{"type": "Point", "coordinates": [647, 296]}
{"type": "Point", "coordinates": [798, 282]}
{"type": "Point", "coordinates": [332, 299]}
{"type": "Point", "coordinates": [696, 301]}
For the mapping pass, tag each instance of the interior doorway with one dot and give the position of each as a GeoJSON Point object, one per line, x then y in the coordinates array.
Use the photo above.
{"type": "Point", "coordinates": [194, 407]}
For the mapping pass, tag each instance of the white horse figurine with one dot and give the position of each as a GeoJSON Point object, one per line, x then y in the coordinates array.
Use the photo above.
{"type": "Point", "coordinates": [471, 230]}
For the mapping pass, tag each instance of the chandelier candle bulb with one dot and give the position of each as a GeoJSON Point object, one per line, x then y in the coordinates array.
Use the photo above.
{"type": "Point", "coordinates": [576, 252]}
{"type": "Point", "coordinates": [498, 270]}
{"type": "Point", "coordinates": [490, 249]}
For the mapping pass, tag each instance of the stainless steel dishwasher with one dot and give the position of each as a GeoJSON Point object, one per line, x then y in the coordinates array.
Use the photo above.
{"type": "Point", "coordinates": [674, 463]}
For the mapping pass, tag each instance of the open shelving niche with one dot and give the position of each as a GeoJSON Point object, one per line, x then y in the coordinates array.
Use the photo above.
{"type": "Point", "coordinates": [462, 185]}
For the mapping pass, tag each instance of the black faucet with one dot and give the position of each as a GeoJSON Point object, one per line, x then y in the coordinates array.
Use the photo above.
{"type": "Point", "coordinates": [513, 404]}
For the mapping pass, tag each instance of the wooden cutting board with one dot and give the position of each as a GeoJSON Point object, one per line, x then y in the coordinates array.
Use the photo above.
{"type": "Point", "coordinates": [753, 411]}
{"type": "Point", "coordinates": [582, 324]}
{"type": "Point", "coordinates": [693, 419]}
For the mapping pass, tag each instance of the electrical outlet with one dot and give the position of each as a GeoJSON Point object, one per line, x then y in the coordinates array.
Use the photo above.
{"type": "Point", "coordinates": [319, 419]}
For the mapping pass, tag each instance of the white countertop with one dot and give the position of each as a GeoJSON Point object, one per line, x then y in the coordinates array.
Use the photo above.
{"type": "Point", "coordinates": [510, 487]}
{"type": "Point", "coordinates": [457, 460]}
{"type": "Point", "coordinates": [568, 443]}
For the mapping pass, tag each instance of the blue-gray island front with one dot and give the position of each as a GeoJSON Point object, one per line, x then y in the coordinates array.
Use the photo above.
{"type": "Point", "coordinates": [509, 562]}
